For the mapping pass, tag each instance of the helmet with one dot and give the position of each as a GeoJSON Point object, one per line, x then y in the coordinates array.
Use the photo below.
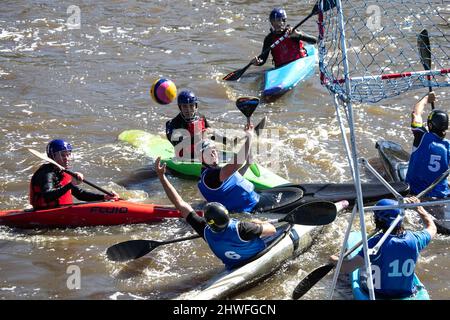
{"type": "Point", "coordinates": [277, 14]}
{"type": "Point", "coordinates": [205, 144]}
{"type": "Point", "coordinates": [186, 97]}
{"type": "Point", "coordinates": [438, 120]}
{"type": "Point", "coordinates": [57, 145]}
{"type": "Point", "coordinates": [216, 216]}
{"type": "Point", "coordinates": [387, 216]}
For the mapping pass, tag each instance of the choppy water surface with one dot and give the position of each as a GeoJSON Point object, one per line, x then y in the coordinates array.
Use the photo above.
{"type": "Point", "coordinates": [87, 85]}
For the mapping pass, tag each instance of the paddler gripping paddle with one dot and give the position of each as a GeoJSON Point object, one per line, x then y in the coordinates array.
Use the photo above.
{"type": "Point", "coordinates": [312, 214]}
{"type": "Point", "coordinates": [73, 174]}
{"type": "Point", "coordinates": [423, 43]}
{"type": "Point", "coordinates": [327, 5]}
{"type": "Point", "coordinates": [317, 274]}
{"type": "Point", "coordinates": [248, 105]}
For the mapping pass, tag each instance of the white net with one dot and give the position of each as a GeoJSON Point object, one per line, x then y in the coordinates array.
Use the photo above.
{"type": "Point", "coordinates": [381, 37]}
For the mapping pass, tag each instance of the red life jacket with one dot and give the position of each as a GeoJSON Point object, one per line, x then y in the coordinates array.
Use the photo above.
{"type": "Point", "coordinates": [195, 128]}
{"type": "Point", "coordinates": [287, 50]}
{"type": "Point", "coordinates": [39, 202]}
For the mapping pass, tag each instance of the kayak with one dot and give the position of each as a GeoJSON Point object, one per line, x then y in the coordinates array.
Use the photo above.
{"type": "Point", "coordinates": [361, 294]}
{"type": "Point", "coordinates": [280, 80]}
{"type": "Point", "coordinates": [291, 241]}
{"type": "Point", "coordinates": [88, 214]}
{"type": "Point", "coordinates": [395, 162]}
{"type": "Point", "coordinates": [155, 145]}
{"type": "Point", "coordinates": [285, 198]}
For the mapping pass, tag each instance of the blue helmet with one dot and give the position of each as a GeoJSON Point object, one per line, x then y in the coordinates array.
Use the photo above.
{"type": "Point", "coordinates": [186, 97]}
{"type": "Point", "coordinates": [57, 145]}
{"type": "Point", "coordinates": [387, 216]}
{"type": "Point", "coordinates": [277, 14]}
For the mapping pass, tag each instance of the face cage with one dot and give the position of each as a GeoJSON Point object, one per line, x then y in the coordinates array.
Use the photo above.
{"type": "Point", "coordinates": [187, 115]}
{"type": "Point", "coordinates": [59, 158]}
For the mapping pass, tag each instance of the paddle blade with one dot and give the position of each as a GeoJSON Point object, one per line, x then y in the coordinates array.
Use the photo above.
{"type": "Point", "coordinates": [310, 280]}
{"type": "Point", "coordinates": [235, 75]}
{"type": "Point", "coordinates": [315, 213]}
{"type": "Point", "coordinates": [130, 250]}
{"type": "Point", "coordinates": [423, 43]}
{"type": "Point", "coordinates": [247, 105]}
{"type": "Point", "coordinates": [327, 5]}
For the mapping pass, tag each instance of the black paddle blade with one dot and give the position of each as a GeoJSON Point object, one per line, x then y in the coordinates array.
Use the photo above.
{"type": "Point", "coordinates": [423, 43]}
{"type": "Point", "coordinates": [247, 105]}
{"type": "Point", "coordinates": [310, 280]}
{"type": "Point", "coordinates": [317, 213]}
{"type": "Point", "coordinates": [327, 5]}
{"type": "Point", "coordinates": [235, 75]}
{"type": "Point", "coordinates": [131, 249]}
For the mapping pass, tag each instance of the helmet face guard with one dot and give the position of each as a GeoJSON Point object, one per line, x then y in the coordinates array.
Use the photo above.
{"type": "Point", "coordinates": [278, 18]}
{"type": "Point", "coordinates": [187, 103]}
{"type": "Point", "coordinates": [60, 151]}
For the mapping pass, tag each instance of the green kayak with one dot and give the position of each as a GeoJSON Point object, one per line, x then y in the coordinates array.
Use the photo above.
{"type": "Point", "coordinates": [155, 145]}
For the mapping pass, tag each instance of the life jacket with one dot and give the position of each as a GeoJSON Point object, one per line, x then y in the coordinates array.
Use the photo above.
{"type": "Point", "coordinates": [229, 247]}
{"type": "Point", "coordinates": [196, 129]}
{"type": "Point", "coordinates": [427, 163]}
{"type": "Point", "coordinates": [287, 50]}
{"type": "Point", "coordinates": [39, 202]}
{"type": "Point", "coordinates": [235, 193]}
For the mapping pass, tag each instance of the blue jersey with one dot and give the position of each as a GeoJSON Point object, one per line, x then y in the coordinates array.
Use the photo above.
{"type": "Point", "coordinates": [229, 247]}
{"type": "Point", "coordinates": [235, 193]}
{"type": "Point", "coordinates": [428, 161]}
{"type": "Point", "coordinates": [393, 267]}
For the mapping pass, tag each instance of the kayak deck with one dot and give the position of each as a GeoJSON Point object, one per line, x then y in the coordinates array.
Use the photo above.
{"type": "Point", "coordinates": [88, 214]}
{"type": "Point", "coordinates": [280, 80]}
{"type": "Point", "coordinates": [154, 146]}
{"type": "Point", "coordinates": [361, 294]}
{"type": "Point", "coordinates": [229, 282]}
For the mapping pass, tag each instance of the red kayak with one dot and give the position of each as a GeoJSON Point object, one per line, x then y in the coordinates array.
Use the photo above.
{"type": "Point", "coordinates": [88, 214]}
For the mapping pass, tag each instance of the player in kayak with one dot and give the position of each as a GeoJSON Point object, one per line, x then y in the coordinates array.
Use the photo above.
{"type": "Point", "coordinates": [232, 241]}
{"type": "Point", "coordinates": [288, 50]}
{"type": "Point", "coordinates": [226, 184]}
{"type": "Point", "coordinates": [189, 127]}
{"type": "Point", "coordinates": [395, 262]}
{"type": "Point", "coordinates": [50, 187]}
{"type": "Point", "coordinates": [430, 156]}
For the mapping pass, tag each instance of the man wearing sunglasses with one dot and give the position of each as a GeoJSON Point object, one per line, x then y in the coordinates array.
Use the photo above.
{"type": "Point", "coordinates": [288, 50]}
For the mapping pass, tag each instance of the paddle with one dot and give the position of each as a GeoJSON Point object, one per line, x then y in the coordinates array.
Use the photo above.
{"type": "Point", "coordinates": [423, 43]}
{"type": "Point", "coordinates": [310, 213]}
{"type": "Point", "coordinates": [327, 5]}
{"type": "Point", "coordinates": [248, 105]}
{"type": "Point", "coordinates": [44, 157]}
{"type": "Point", "coordinates": [317, 274]}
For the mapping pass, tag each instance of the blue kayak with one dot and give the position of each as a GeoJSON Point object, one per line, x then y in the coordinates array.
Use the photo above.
{"type": "Point", "coordinates": [278, 81]}
{"type": "Point", "coordinates": [360, 294]}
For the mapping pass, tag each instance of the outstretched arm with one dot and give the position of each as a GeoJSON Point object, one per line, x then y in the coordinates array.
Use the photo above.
{"type": "Point", "coordinates": [240, 158]}
{"type": "Point", "coordinates": [172, 194]}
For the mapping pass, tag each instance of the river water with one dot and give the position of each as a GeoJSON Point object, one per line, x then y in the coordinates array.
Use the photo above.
{"type": "Point", "coordinates": [87, 85]}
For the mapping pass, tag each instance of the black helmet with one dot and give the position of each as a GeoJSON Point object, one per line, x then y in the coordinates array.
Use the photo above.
{"type": "Point", "coordinates": [437, 121]}
{"type": "Point", "coordinates": [216, 216]}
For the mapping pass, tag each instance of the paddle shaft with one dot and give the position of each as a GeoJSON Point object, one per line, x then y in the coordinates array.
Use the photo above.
{"type": "Point", "coordinates": [44, 157]}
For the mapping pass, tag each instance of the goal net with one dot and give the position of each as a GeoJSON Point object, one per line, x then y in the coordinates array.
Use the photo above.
{"type": "Point", "coordinates": [374, 44]}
